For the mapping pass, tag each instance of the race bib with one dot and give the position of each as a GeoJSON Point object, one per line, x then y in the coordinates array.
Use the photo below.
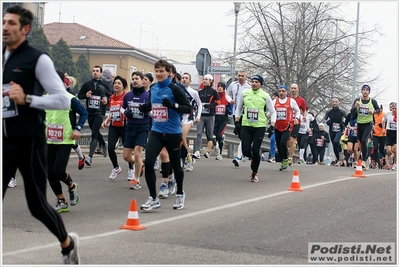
{"type": "Point", "coordinates": [336, 127]}
{"type": "Point", "coordinates": [363, 110]}
{"type": "Point", "coordinates": [94, 101]}
{"type": "Point", "coordinates": [205, 110]}
{"type": "Point", "coordinates": [392, 125]}
{"type": "Point", "coordinates": [252, 114]}
{"type": "Point", "coordinates": [220, 110]}
{"type": "Point", "coordinates": [319, 142]}
{"type": "Point", "coordinates": [115, 113]}
{"type": "Point", "coordinates": [55, 133]}
{"type": "Point", "coordinates": [281, 114]}
{"type": "Point", "coordinates": [10, 108]}
{"type": "Point", "coordinates": [134, 106]}
{"type": "Point", "coordinates": [159, 113]}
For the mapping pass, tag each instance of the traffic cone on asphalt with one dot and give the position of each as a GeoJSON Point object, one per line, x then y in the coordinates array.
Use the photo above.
{"type": "Point", "coordinates": [295, 186]}
{"type": "Point", "coordinates": [132, 222]}
{"type": "Point", "coordinates": [359, 170]}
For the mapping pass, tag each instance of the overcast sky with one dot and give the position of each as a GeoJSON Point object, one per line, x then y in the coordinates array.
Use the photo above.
{"type": "Point", "coordinates": [188, 25]}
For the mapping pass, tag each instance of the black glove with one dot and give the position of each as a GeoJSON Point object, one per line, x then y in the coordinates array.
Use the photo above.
{"type": "Point", "coordinates": [270, 131]}
{"type": "Point", "coordinates": [167, 103]}
{"type": "Point", "coordinates": [128, 113]}
{"type": "Point", "coordinates": [237, 128]}
{"type": "Point", "coordinates": [207, 106]}
{"type": "Point", "coordinates": [329, 122]}
{"type": "Point", "coordinates": [142, 108]}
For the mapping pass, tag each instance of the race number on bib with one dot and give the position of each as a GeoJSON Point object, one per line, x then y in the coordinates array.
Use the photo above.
{"type": "Point", "coordinates": [252, 114]}
{"type": "Point", "coordinates": [94, 101]}
{"type": "Point", "coordinates": [115, 113]}
{"type": "Point", "coordinates": [55, 133]}
{"type": "Point", "coordinates": [281, 114]}
{"type": "Point", "coordinates": [10, 108]}
{"type": "Point", "coordinates": [220, 110]}
{"type": "Point", "coordinates": [134, 106]}
{"type": "Point", "coordinates": [159, 113]}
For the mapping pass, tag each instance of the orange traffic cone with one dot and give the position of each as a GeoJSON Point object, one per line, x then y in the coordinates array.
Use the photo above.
{"type": "Point", "coordinates": [295, 186]}
{"type": "Point", "coordinates": [359, 170]}
{"type": "Point", "coordinates": [132, 222]}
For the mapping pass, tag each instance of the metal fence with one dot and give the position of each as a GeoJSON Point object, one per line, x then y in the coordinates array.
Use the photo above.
{"type": "Point", "coordinates": [231, 140]}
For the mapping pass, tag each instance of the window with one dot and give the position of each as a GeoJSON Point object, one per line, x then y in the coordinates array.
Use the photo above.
{"type": "Point", "coordinates": [111, 67]}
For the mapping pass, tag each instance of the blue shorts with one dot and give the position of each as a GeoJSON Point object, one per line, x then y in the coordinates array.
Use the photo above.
{"type": "Point", "coordinates": [136, 135]}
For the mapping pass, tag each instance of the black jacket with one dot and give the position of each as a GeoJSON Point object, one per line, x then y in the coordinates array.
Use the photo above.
{"type": "Point", "coordinates": [20, 68]}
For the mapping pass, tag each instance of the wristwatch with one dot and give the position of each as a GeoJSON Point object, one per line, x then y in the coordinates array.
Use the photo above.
{"type": "Point", "coordinates": [176, 105]}
{"type": "Point", "coordinates": [78, 127]}
{"type": "Point", "coordinates": [28, 99]}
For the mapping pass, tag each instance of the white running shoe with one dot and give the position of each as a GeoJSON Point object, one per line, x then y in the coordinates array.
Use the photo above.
{"type": "Point", "coordinates": [73, 256]}
{"type": "Point", "coordinates": [197, 155]}
{"type": "Point", "coordinates": [12, 183]}
{"type": "Point", "coordinates": [130, 174]}
{"type": "Point", "coordinates": [151, 203]}
{"type": "Point", "coordinates": [179, 201]}
{"type": "Point", "coordinates": [114, 173]}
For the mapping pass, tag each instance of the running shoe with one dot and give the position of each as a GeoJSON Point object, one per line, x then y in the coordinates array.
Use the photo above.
{"type": "Point", "coordinates": [104, 150]}
{"type": "Point", "coordinates": [219, 157]}
{"type": "Point", "coordinates": [74, 195]}
{"type": "Point", "coordinates": [289, 161]}
{"type": "Point", "coordinates": [12, 183]}
{"type": "Point", "coordinates": [179, 201]}
{"type": "Point", "coordinates": [163, 191]}
{"type": "Point", "coordinates": [254, 178]}
{"type": "Point", "coordinates": [190, 166]}
{"type": "Point", "coordinates": [73, 256]}
{"type": "Point", "coordinates": [206, 155]}
{"type": "Point", "coordinates": [61, 206]}
{"type": "Point", "coordinates": [135, 184]}
{"type": "Point", "coordinates": [88, 161]}
{"type": "Point", "coordinates": [156, 165]}
{"type": "Point", "coordinates": [130, 174]}
{"type": "Point", "coordinates": [243, 159]}
{"type": "Point", "coordinates": [284, 164]}
{"type": "Point", "coordinates": [301, 161]}
{"type": "Point", "coordinates": [236, 161]}
{"type": "Point", "coordinates": [393, 167]}
{"type": "Point", "coordinates": [81, 163]}
{"type": "Point", "coordinates": [172, 186]}
{"type": "Point", "coordinates": [197, 155]}
{"type": "Point", "coordinates": [115, 172]}
{"type": "Point", "coordinates": [272, 160]}
{"type": "Point", "coordinates": [217, 150]}
{"type": "Point", "coordinates": [151, 203]}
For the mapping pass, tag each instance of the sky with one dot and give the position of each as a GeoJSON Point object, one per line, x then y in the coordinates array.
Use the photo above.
{"type": "Point", "coordinates": [191, 25]}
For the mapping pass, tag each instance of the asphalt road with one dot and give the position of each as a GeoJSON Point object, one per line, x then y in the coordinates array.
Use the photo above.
{"type": "Point", "coordinates": [226, 218]}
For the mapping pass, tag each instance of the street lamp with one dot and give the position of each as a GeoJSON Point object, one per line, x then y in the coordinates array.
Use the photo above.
{"type": "Point", "coordinates": [356, 45]}
{"type": "Point", "coordinates": [236, 10]}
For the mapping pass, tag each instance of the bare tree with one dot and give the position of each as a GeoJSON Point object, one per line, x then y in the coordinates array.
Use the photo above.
{"type": "Point", "coordinates": [303, 43]}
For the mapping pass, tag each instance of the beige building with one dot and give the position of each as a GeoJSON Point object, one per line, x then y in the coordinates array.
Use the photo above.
{"type": "Point", "coordinates": [100, 49]}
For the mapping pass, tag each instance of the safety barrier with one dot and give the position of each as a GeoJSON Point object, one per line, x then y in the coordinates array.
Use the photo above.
{"type": "Point", "coordinates": [231, 140]}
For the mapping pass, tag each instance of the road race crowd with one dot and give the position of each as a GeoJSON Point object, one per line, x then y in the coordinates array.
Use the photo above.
{"type": "Point", "coordinates": [154, 118]}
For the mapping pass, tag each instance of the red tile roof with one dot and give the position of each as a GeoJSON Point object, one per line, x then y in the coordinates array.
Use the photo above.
{"type": "Point", "coordinates": [73, 34]}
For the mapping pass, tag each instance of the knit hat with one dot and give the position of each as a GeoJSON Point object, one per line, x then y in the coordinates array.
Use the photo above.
{"type": "Point", "coordinates": [321, 124]}
{"type": "Point", "coordinates": [366, 87]}
{"type": "Point", "coordinates": [208, 76]}
{"type": "Point", "coordinates": [283, 86]}
{"type": "Point", "coordinates": [222, 85]}
{"type": "Point", "coordinates": [149, 76]}
{"type": "Point", "coordinates": [258, 78]}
